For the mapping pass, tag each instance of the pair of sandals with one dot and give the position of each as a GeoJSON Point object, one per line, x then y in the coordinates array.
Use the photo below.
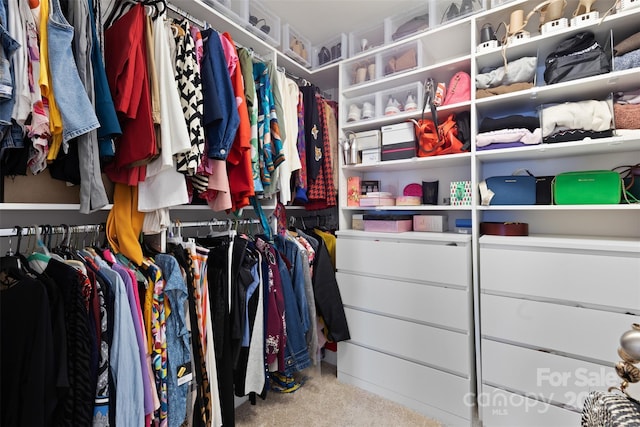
{"type": "Point", "coordinates": [551, 10]}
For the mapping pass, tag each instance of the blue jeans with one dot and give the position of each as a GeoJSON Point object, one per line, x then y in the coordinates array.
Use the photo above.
{"type": "Point", "coordinates": [78, 113]}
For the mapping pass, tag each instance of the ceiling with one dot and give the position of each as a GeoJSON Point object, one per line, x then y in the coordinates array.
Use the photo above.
{"type": "Point", "coordinates": [319, 20]}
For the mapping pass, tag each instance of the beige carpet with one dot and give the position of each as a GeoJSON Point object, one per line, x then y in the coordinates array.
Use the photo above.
{"type": "Point", "coordinates": [323, 401]}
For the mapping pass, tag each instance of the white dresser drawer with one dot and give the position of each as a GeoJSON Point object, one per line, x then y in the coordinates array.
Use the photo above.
{"type": "Point", "coordinates": [500, 408]}
{"type": "Point", "coordinates": [544, 375]}
{"type": "Point", "coordinates": [435, 261]}
{"type": "Point", "coordinates": [432, 346]}
{"type": "Point", "coordinates": [597, 272]}
{"type": "Point", "coordinates": [429, 304]}
{"type": "Point", "coordinates": [415, 385]}
{"type": "Point", "coordinates": [593, 334]}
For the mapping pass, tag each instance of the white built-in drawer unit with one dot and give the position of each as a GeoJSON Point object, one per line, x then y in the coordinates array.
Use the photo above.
{"type": "Point", "coordinates": [407, 299]}
{"type": "Point", "coordinates": [501, 408]}
{"type": "Point", "coordinates": [443, 258]}
{"type": "Point", "coordinates": [552, 311]}
{"type": "Point", "coordinates": [593, 272]}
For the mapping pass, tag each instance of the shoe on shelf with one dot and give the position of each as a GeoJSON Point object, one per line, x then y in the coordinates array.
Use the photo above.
{"type": "Point", "coordinates": [355, 113]}
{"type": "Point", "coordinates": [410, 104]}
{"type": "Point", "coordinates": [393, 107]}
{"type": "Point", "coordinates": [584, 7]}
{"type": "Point", "coordinates": [367, 110]}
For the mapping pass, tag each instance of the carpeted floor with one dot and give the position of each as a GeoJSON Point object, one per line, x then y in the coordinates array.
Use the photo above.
{"type": "Point", "coordinates": [323, 401]}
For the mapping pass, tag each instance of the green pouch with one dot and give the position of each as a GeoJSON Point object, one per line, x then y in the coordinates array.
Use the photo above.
{"type": "Point", "coordinates": [597, 187]}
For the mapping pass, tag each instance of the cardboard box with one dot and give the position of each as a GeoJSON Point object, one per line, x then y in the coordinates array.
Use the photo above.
{"type": "Point", "coordinates": [368, 140]}
{"type": "Point", "coordinates": [408, 201]}
{"type": "Point", "coordinates": [398, 133]}
{"type": "Point", "coordinates": [405, 150]}
{"type": "Point", "coordinates": [42, 188]}
{"type": "Point", "coordinates": [460, 193]}
{"type": "Point", "coordinates": [436, 223]}
{"type": "Point", "coordinates": [353, 191]}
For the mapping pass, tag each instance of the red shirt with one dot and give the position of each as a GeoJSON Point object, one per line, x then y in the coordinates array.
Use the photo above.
{"type": "Point", "coordinates": [126, 67]}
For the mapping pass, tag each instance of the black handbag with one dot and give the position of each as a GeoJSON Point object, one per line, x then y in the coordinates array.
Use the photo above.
{"type": "Point", "coordinates": [577, 57]}
{"type": "Point", "coordinates": [415, 24]}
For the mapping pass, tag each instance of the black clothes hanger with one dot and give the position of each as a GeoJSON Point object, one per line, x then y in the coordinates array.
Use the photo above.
{"type": "Point", "coordinates": [11, 266]}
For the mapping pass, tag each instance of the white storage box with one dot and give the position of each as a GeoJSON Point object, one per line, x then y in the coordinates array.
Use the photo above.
{"type": "Point", "coordinates": [296, 46]}
{"type": "Point", "coordinates": [368, 140]}
{"type": "Point", "coordinates": [370, 156]}
{"type": "Point", "coordinates": [436, 223]}
{"type": "Point", "coordinates": [441, 9]}
{"type": "Point", "coordinates": [263, 23]}
{"type": "Point", "coordinates": [398, 133]}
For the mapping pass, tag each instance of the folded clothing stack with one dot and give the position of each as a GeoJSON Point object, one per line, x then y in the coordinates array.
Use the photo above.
{"type": "Point", "coordinates": [510, 131]}
{"type": "Point", "coordinates": [573, 121]}
{"type": "Point", "coordinates": [626, 53]}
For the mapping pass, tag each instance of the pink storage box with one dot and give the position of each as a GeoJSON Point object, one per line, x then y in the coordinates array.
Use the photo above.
{"type": "Point", "coordinates": [388, 224]}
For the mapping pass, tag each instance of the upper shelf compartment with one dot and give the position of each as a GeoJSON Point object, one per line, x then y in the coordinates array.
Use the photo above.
{"type": "Point", "coordinates": [620, 23]}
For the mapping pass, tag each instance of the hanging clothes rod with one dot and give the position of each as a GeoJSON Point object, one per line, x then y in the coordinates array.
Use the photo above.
{"type": "Point", "coordinates": [214, 223]}
{"type": "Point", "coordinates": [54, 229]}
{"type": "Point", "coordinates": [199, 23]}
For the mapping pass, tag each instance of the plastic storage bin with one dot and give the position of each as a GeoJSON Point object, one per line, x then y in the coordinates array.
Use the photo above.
{"type": "Point", "coordinates": [445, 11]}
{"type": "Point", "coordinates": [402, 99]}
{"type": "Point", "coordinates": [361, 71]}
{"type": "Point", "coordinates": [263, 23]}
{"type": "Point", "coordinates": [237, 10]}
{"type": "Point", "coordinates": [363, 40]}
{"type": "Point", "coordinates": [330, 51]}
{"type": "Point", "coordinates": [296, 46]}
{"type": "Point", "coordinates": [407, 23]}
{"type": "Point", "coordinates": [361, 108]}
{"type": "Point", "coordinates": [401, 59]}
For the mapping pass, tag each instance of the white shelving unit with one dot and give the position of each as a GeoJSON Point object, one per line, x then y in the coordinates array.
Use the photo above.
{"type": "Point", "coordinates": [525, 304]}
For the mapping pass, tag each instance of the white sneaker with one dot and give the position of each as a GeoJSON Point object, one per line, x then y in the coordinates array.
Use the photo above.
{"type": "Point", "coordinates": [410, 103]}
{"type": "Point", "coordinates": [355, 113]}
{"type": "Point", "coordinates": [393, 107]}
{"type": "Point", "coordinates": [367, 110]}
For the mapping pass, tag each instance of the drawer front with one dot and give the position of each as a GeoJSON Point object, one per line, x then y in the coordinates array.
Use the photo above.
{"type": "Point", "coordinates": [593, 334]}
{"type": "Point", "coordinates": [500, 408]}
{"type": "Point", "coordinates": [543, 375]}
{"type": "Point", "coordinates": [429, 304]}
{"type": "Point", "coordinates": [589, 277]}
{"type": "Point", "coordinates": [432, 346]}
{"type": "Point", "coordinates": [426, 385]}
{"type": "Point", "coordinates": [425, 261]}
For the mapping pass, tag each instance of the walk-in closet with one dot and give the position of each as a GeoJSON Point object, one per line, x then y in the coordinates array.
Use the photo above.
{"type": "Point", "coordinates": [319, 212]}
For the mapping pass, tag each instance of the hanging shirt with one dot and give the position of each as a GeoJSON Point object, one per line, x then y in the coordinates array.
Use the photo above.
{"type": "Point", "coordinates": [178, 339]}
{"type": "Point", "coordinates": [127, 75]}
{"type": "Point", "coordinates": [221, 123]}
{"type": "Point", "coordinates": [190, 90]}
{"type": "Point", "coordinates": [164, 186]}
{"type": "Point", "coordinates": [290, 92]}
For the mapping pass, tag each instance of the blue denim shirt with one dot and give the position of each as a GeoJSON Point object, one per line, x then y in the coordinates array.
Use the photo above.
{"type": "Point", "coordinates": [178, 341]}
{"type": "Point", "coordinates": [77, 111]}
{"type": "Point", "coordinates": [221, 133]}
{"type": "Point", "coordinates": [7, 97]}
{"type": "Point", "coordinates": [296, 352]}
{"type": "Point", "coordinates": [292, 252]}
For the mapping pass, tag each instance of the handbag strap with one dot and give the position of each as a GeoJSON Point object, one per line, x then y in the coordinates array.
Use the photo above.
{"type": "Point", "coordinates": [429, 96]}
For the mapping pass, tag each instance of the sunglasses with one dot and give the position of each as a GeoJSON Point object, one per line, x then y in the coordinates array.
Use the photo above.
{"type": "Point", "coordinates": [253, 20]}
